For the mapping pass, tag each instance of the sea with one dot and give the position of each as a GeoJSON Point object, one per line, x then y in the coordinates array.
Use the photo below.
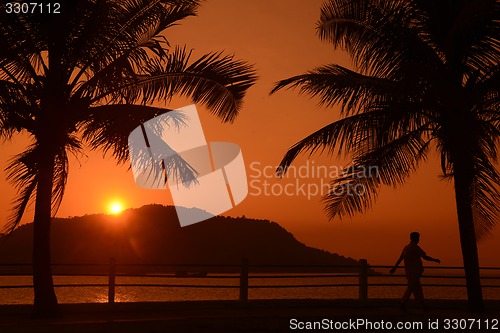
{"type": "Point", "coordinates": [226, 287]}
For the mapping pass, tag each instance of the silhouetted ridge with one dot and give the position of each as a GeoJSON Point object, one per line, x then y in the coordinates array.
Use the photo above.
{"type": "Point", "coordinates": [152, 235]}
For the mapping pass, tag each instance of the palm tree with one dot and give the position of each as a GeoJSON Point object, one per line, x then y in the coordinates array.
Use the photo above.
{"type": "Point", "coordinates": [88, 76]}
{"type": "Point", "coordinates": [426, 78]}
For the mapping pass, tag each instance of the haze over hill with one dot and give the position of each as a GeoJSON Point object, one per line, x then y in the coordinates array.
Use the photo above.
{"type": "Point", "coordinates": [152, 235]}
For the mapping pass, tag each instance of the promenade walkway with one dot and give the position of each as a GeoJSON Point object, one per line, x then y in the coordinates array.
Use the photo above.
{"type": "Point", "coordinates": [255, 316]}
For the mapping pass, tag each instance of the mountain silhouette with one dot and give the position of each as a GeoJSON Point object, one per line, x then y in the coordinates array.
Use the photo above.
{"type": "Point", "coordinates": [152, 235]}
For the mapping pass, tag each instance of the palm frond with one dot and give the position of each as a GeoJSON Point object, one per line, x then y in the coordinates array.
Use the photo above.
{"type": "Point", "coordinates": [380, 36]}
{"type": "Point", "coordinates": [467, 33]}
{"type": "Point", "coordinates": [390, 164]}
{"type": "Point", "coordinates": [130, 26]}
{"type": "Point", "coordinates": [16, 110]}
{"type": "Point", "coordinates": [61, 166]}
{"type": "Point", "coordinates": [22, 173]}
{"type": "Point", "coordinates": [342, 136]}
{"type": "Point", "coordinates": [335, 84]}
{"type": "Point", "coordinates": [354, 192]}
{"type": "Point", "coordinates": [484, 92]}
{"type": "Point", "coordinates": [486, 196]}
{"type": "Point", "coordinates": [108, 126]}
{"type": "Point", "coordinates": [336, 136]}
{"type": "Point", "coordinates": [397, 160]}
{"type": "Point", "coordinates": [154, 160]}
{"type": "Point", "coordinates": [217, 81]}
{"type": "Point", "coordinates": [358, 134]}
{"type": "Point", "coordinates": [20, 56]}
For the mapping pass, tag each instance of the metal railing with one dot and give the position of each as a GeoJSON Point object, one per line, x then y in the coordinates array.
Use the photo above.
{"type": "Point", "coordinates": [245, 272]}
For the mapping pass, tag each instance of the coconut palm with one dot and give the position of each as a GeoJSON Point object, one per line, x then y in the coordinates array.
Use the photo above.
{"type": "Point", "coordinates": [89, 76]}
{"type": "Point", "coordinates": [426, 78]}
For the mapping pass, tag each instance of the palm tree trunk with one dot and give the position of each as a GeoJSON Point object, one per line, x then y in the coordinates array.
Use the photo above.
{"type": "Point", "coordinates": [45, 304]}
{"type": "Point", "coordinates": [464, 182]}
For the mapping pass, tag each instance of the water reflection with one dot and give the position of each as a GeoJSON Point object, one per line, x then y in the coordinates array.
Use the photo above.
{"type": "Point", "coordinates": [150, 294]}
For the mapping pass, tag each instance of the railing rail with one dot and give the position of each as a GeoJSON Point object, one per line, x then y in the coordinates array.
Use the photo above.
{"type": "Point", "coordinates": [244, 272]}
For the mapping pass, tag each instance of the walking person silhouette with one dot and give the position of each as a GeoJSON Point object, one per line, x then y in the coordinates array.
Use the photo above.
{"type": "Point", "coordinates": [412, 255]}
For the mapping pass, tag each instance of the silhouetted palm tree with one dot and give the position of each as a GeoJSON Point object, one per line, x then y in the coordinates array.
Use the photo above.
{"type": "Point", "coordinates": [427, 77]}
{"type": "Point", "coordinates": [89, 75]}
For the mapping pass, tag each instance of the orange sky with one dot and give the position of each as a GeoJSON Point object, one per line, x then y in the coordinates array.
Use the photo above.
{"type": "Point", "coordinates": [278, 36]}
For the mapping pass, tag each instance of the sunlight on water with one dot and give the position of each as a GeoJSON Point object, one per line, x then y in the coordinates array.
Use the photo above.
{"type": "Point", "coordinates": [150, 294]}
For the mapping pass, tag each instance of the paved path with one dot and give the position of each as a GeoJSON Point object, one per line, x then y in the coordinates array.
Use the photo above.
{"type": "Point", "coordinates": [255, 316]}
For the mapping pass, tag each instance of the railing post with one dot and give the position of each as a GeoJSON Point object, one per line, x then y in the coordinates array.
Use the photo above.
{"type": "Point", "coordinates": [244, 280]}
{"type": "Point", "coordinates": [111, 280]}
{"type": "Point", "coordinates": [363, 280]}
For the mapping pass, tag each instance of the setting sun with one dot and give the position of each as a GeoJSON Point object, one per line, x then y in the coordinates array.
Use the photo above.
{"type": "Point", "coordinates": [115, 207]}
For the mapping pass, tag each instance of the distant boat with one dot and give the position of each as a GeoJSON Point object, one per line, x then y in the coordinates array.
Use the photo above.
{"type": "Point", "coordinates": [191, 274]}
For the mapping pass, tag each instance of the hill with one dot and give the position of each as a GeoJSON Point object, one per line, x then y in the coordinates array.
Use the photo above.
{"type": "Point", "coordinates": [152, 235]}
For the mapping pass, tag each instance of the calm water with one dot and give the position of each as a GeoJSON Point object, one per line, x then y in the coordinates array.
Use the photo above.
{"type": "Point", "coordinates": [145, 294]}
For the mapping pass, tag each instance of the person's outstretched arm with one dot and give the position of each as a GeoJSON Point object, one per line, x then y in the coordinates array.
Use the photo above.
{"type": "Point", "coordinates": [397, 263]}
{"type": "Point", "coordinates": [428, 258]}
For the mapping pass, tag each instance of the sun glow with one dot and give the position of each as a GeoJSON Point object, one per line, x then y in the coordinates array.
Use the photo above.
{"type": "Point", "coordinates": [115, 208]}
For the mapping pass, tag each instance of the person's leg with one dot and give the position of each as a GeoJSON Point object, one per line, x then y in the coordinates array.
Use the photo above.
{"type": "Point", "coordinates": [407, 294]}
{"type": "Point", "coordinates": [418, 292]}
{"type": "Point", "coordinates": [409, 290]}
